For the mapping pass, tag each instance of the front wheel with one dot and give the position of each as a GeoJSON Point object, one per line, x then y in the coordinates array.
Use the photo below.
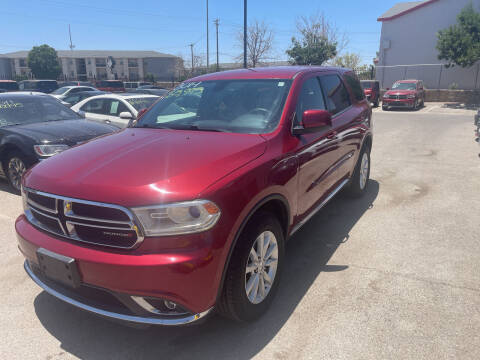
{"type": "Point", "coordinates": [253, 274]}
{"type": "Point", "coordinates": [15, 166]}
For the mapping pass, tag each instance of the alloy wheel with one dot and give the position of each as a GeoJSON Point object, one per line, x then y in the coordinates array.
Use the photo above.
{"type": "Point", "coordinates": [16, 168]}
{"type": "Point", "coordinates": [261, 267]}
{"type": "Point", "coordinates": [364, 169]}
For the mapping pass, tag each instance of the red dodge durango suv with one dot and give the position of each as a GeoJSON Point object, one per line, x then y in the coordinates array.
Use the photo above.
{"type": "Point", "coordinates": [404, 94]}
{"type": "Point", "coordinates": [188, 209]}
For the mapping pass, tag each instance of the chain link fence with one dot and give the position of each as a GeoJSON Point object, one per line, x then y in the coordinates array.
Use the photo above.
{"type": "Point", "coordinates": [434, 76]}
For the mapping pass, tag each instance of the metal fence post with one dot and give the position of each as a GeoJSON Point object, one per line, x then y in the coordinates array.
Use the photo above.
{"type": "Point", "coordinates": [440, 77]}
{"type": "Point", "coordinates": [476, 77]}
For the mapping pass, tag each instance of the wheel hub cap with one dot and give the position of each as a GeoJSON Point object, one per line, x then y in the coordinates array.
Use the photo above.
{"type": "Point", "coordinates": [364, 168]}
{"type": "Point", "coordinates": [16, 168]}
{"type": "Point", "coordinates": [261, 267]}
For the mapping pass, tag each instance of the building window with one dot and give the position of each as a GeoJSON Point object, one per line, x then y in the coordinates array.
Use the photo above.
{"type": "Point", "coordinates": [72, 73]}
{"type": "Point", "coordinates": [100, 62]}
{"type": "Point", "coordinates": [132, 63]}
{"type": "Point", "coordinates": [89, 62]}
{"type": "Point", "coordinates": [89, 74]}
{"type": "Point", "coordinates": [23, 62]}
{"type": "Point", "coordinates": [121, 62]}
{"type": "Point", "coordinates": [71, 62]}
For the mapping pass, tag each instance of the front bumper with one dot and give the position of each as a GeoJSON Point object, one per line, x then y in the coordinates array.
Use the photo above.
{"type": "Point", "coordinates": [400, 103]}
{"type": "Point", "coordinates": [187, 276]}
{"type": "Point", "coordinates": [61, 295]}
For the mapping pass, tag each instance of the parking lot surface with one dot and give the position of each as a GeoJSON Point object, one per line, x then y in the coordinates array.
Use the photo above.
{"type": "Point", "coordinates": [393, 275]}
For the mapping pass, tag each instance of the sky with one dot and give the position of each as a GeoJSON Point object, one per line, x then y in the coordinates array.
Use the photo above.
{"type": "Point", "coordinates": [170, 26]}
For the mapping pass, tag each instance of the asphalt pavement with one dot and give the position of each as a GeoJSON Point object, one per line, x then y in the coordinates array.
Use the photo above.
{"type": "Point", "coordinates": [393, 275]}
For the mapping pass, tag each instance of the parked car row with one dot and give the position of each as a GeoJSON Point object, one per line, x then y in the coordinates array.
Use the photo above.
{"type": "Point", "coordinates": [188, 209]}
{"type": "Point", "coordinates": [408, 94]}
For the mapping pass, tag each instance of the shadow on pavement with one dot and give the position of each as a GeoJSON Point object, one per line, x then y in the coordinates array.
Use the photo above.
{"type": "Point", "coordinates": [308, 252]}
{"type": "Point", "coordinates": [5, 186]}
{"type": "Point", "coordinates": [462, 106]}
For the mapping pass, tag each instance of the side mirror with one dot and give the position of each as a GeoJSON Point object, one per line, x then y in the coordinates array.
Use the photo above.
{"type": "Point", "coordinates": [388, 89]}
{"type": "Point", "coordinates": [126, 115]}
{"type": "Point", "coordinates": [313, 120]}
{"type": "Point", "coordinates": [81, 113]}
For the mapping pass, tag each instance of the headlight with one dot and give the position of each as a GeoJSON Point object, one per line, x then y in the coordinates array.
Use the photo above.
{"type": "Point", "coordinates": [411, 96]}
{"type": "Point", "coordinates": [178, 218]}
{"type": "Point", "coordinates": [49, 150]}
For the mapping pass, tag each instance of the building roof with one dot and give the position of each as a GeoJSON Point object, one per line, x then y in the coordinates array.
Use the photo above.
{"type": "Point", "coordinates": [403, 8]}
{"type": "Point", "coordinates": [96, 53]}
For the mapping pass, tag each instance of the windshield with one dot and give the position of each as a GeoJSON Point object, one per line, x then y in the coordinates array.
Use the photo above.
{"type": "Point", "coordinates": [404, 86]}
{"type": "Point", "coordinates": [7, 85]}
{"type": "Point", "coordinates": [141, 103]}
{"type": "Point", "coordinates": [32, 109]}
{"type": "Point", "coordinates": [60, 91]}
{"type": "Point", "coordinates": [241, 106]}
{"type": "Point", "coordinates": [366, 84]}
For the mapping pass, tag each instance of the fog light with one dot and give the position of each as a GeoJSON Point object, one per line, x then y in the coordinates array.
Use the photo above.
{"type": "Point", "coordinates": [170, 305]}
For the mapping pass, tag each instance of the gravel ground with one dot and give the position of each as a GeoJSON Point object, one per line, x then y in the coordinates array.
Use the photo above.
{"type": "Point", "coordinates": [393, 275]}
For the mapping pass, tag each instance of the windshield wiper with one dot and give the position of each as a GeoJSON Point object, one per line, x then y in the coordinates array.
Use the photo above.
{"type": "Point", "coordinates": [197, 128]}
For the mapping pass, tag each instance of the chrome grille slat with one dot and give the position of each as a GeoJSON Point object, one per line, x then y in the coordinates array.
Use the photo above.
{"type": "Point", "coordinates": [68, 221]}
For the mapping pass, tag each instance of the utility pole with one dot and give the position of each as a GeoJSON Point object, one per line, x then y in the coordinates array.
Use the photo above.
{"type": "Point", "coordinates": [191, 48]}
{"type": "Point", "coordinates": [245, 34]}
{"type": "Point", "coordinates": [216, 25]}
{"type": "Point", "coordinates": [208, 60]}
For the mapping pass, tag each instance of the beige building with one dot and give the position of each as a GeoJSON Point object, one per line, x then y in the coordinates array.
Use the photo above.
{"type": "Point", "coordinates": [105, 64]}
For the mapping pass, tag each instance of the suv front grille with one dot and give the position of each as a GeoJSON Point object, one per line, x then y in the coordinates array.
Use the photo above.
{"type": "Point", "coordinates": [81, 220]}
{"type": "Point", "coordinates": [398, 97]}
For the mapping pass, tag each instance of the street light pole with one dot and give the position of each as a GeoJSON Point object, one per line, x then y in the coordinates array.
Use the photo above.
{"type": "Point", "coordinates": [208, 54]}
{"type": "Point", "coordinates": [245, 33]}
{"type": "Point", "coordinates": [216, 25]}
{"type": "Point", "coordinates": [191, 49]}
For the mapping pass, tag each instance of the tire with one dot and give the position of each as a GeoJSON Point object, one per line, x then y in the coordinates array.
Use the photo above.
{"type": "Point", "coordinates": [358, 184]}
{"type": "Point", "coordinates": [14, 167]}
{"type": "Point", "coordinates": [384, 108]}
{"type": "Point", "coordinates": [234, 302]}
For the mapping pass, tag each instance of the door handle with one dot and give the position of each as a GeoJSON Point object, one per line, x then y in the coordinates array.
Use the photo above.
{"type": "Point", "coordinates": [332, 135]}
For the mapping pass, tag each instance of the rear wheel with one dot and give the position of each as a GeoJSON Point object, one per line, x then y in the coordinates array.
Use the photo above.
{"type": "Point", "coordinates": [253, 274]}
{"type": "Point", "coordinates": [14, 168]}
{"type": "Point", "coordinates": [361, 174]}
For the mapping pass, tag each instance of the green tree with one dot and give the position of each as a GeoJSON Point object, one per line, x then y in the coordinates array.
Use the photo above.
{"type": "Point", "coordinates": [460, 43]}
{"type": "Point", "coordinates": [348, 60]}
{"type": "Point", "coordinates": [317, 44]}
{"type": "Point", "coordinates": [43, 62]}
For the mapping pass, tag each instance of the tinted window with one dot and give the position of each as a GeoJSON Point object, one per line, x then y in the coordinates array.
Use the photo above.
{"type": "Point", "coordinates": [96, 106]}
{"type": "Point", "coordinates": [335, 93]}
{"type": "Point", "coordinates": [7, 85]}
{"type": "Point", "coordinates": [310, 98]}
{"type": "Point", "coordinates": [61, 91]}
{"type": "Point", "coordinates": [32, 109]}
{"type": "Point", "coordinates": [111, 84]}
{"type": "Point", "coordinates": [241, 106]}
{"type": "Point", "coordinates": [72, 99]}
{"type": "Point", "coordinates": [367, 84]}
{"type": "Point", "coordinates": [354, 84]}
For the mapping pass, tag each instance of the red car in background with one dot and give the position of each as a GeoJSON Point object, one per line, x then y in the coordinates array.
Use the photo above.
{"type": "Point", "coordinates": [372, 91]}
{"type": "Point", "coordinates": [188, 209]}
{"type": "Point", "coordinates": [408, 94]}
{"type": "Point", "coordinates": [110, 85]}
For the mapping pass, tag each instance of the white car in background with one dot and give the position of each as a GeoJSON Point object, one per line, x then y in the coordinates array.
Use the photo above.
{"type": "Point", "coordinates": [115, 109]}
{"type": "Point", "coordinates": [64, 91]}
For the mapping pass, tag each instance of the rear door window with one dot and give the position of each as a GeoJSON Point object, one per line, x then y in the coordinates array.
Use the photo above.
{"type": "Point", "coordinates": [336, 94]}
{"type": "Point", "coordinates": [96, 106]}
{"type": "Point", "coordinates": [354, 84]}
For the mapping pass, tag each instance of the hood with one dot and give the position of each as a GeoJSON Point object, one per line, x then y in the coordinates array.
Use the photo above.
{"type": "Point", "coordinates": [68, 132]}
{"type": "Point", "coordinates": [367, 91]}
{"type": "Point", "coordinates": [137, 167]}
{"type": "Point", "coordinates": [401, 92]}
